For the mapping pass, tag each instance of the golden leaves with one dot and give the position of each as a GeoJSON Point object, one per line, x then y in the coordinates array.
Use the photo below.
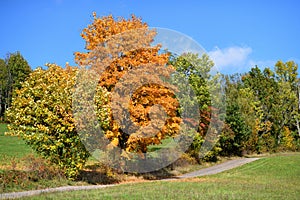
{"type": "Point", "coordinates": [41, 113]}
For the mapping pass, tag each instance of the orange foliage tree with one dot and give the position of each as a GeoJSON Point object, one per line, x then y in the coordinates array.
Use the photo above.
{"type": "Point", "coordinates": [120, 52]}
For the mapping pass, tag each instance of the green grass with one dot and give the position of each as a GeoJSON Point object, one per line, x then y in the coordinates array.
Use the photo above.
{"type": "Point", "coordinates": [275, 177]}
{"type": "Point", "coordinates": [11, 147]}
{"type": "Point", "coordinates": [3, 129]}
{"type": "Point", "coordinates": [166, 143]}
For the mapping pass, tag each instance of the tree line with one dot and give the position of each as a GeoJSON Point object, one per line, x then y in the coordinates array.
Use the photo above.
{"type": "Point", "coordinates": [262, 110]}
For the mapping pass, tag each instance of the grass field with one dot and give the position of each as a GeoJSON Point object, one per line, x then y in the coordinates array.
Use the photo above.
{"type": "Point", "coordinates": [11, 147]}
{"type": "Point", "coordinates": [2, 128]}
{"type": "Point", "coordinates": [275, 177]}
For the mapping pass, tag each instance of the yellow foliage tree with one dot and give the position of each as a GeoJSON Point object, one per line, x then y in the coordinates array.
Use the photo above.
{"type": "Point", "coordinates": [41, 113]}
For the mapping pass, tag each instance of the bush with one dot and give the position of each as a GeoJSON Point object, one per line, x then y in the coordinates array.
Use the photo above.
{"type": "Point", "coordinates": [36, 173]}
{"type": "Point", "coordinates": [41, 114]}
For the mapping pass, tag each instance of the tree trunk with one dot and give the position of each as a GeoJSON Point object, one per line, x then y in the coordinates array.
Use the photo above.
{"type": "Point", "coordinates": [298, 126]}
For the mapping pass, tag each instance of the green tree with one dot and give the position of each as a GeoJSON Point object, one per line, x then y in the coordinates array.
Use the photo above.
{"type": "Point", "coordinates": [287, 106]}
{"type": "Point", "coordinates": [18, 69]}
{"type": "Point", "coordinates": [3, 85]}
{"type": "Point", "coordinates": [236, 132]}
{"type": "Point", "coordinates": [264, 87]}
{"type": "Point", "coordinates": [14, 71]}
{"type": "Point", "coordinates": [276, 97]}
{"type": "Point", "coordinates": [196, 71]}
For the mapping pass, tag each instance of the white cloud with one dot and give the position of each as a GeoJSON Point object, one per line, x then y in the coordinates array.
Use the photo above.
{"type": "Point", "coordinates": [236, 59]}
{"type": "Point", "coordinates": [230, 58]}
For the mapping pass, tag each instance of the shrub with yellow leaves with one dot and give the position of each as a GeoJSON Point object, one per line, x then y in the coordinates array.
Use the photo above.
{"type": "Point", "coordinates": [41, 114]}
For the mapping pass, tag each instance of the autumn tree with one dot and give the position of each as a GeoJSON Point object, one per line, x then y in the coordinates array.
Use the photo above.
{"type": "Point", "coordinates": [120, 52]}
{"type": "Point", "coordinates": [41, 114]}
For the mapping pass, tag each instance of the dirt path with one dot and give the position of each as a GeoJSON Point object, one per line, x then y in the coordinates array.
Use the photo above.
{"type": "Point", "coordinates": [203, 172]}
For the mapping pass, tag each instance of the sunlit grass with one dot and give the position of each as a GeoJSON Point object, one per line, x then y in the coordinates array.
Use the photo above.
{"type": "Point", "coordinates": [11, 147]}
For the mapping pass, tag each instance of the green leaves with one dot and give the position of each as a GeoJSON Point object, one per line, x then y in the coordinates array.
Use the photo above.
{"type": "Point", "coordinates": [267, 105]}
{"type": "Point", "coordinates": [13, 71]}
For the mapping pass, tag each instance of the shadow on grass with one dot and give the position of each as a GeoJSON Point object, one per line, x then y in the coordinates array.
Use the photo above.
{"type": "Point", "coordinates": [100, 174]}
{"type": "Point", "coordinates": [97, 178]}
{"type": "Point", "coordinates": [164, 173]}
{"type": "Point", "coordinates": [169, 171]}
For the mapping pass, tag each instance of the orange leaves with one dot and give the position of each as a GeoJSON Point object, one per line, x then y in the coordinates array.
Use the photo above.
{"type": "Point", "coordinates": [120, 52]}
{"type": "Point", "coordinates": [103, 28]}
{"type": "Point", "coordinates": [131, 60]}
{"type": "Point", "coordinates": [148, 96]}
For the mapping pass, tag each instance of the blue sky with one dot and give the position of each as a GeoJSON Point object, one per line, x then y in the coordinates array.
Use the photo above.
{"type": "Point", "coordinates": [237, 34]}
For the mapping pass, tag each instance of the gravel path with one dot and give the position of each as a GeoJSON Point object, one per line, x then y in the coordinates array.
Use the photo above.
{"type": "Point", "coordinates": [15, 195]}
{"type": "Point", "coordinates": [203, 172]}
{"type": "Point", "coordinates": [219, 168]}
